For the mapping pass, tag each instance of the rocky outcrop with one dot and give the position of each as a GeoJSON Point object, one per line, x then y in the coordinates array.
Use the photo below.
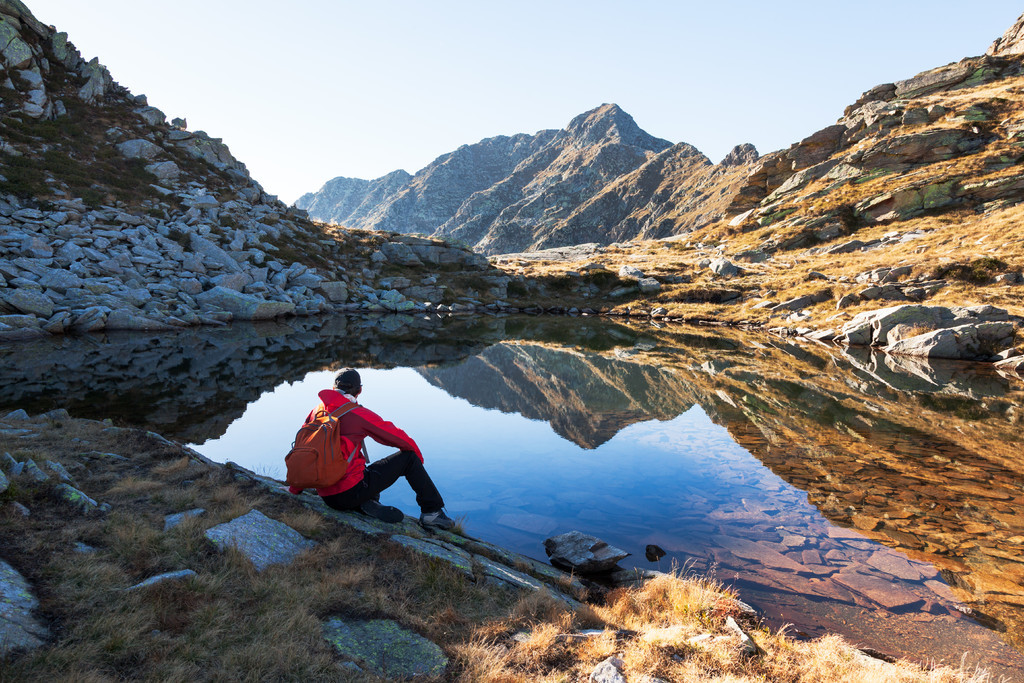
{"type": "Point", "coordinates": [964, 333]}
{"type": "Point", "coordinates": [113, 219]}
{"type": "Point", "coordinates": [1011, 42]}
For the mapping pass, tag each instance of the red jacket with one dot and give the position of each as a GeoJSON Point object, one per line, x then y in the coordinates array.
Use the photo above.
{"type": "Point", "coordinates": [357, 424]}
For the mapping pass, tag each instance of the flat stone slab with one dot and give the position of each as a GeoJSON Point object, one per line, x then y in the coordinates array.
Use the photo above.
{"type": "Point", "coordinates": [459, 559]}
{"type": "Point", "coordinates": [385, 648]}
{"type": "Point", "coordinates": [160, 578]}
{"type": "Point", "coordinates": [18, 628]}
{"type": "Point", "coordinates": [877, 589]}
{"type": "Point", "coordinates": [507, 575]}
{"type": "Point", "coordinates": [263, 540]}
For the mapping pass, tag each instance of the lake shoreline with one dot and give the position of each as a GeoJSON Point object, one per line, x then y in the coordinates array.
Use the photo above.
{"type": "Point", "coordinates": [60, 436]}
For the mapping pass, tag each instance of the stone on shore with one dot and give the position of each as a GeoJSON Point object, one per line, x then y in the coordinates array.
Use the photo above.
{"type": "Point", "coordinates": [244, 306]}
{"type": "Point", "coordinates": [261, 539]}
{"type": "Point", "coordinates": [583, 553]}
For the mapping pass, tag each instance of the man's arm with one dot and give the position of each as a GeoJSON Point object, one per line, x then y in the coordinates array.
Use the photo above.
{"type": "Point", "coordinates": [386, 432]}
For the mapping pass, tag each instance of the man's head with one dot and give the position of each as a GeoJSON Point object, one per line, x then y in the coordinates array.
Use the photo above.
{"type": "Point", "coordinates": [348, 382]}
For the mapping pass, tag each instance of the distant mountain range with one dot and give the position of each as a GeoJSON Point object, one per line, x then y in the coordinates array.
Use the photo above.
{"type": "Point", "coordinates": [600, 179]}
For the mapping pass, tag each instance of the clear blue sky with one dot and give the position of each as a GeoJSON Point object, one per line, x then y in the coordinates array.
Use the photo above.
{"type": "Point", "coordinates": [312, 89]}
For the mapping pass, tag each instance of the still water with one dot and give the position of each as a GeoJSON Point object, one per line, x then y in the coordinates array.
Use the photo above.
{"type": "Point", "coordinates": [836, 492]}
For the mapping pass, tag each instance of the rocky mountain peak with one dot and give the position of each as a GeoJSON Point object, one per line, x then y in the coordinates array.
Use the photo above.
{"type": "Point", "coordinates": [740, 155]}
{"type": "Point", "coordinates": [1011, 42]}
{"type": "Point", "coordinates": [609, 124]}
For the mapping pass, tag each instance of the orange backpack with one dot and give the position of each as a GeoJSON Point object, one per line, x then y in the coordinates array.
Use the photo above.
{"type": "Point", "coordinates": [321, 454]}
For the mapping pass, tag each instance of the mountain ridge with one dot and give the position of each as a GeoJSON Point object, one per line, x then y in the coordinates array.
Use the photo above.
{"type": "Point", "coordinates": [529, 204]}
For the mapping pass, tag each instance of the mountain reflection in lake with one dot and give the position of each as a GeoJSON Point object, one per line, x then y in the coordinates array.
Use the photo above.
{"type": "Point", "coordinates": [836, 490]}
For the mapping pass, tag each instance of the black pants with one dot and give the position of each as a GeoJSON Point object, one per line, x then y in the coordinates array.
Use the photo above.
{"type": "Point", "coordinates": [383, 473]}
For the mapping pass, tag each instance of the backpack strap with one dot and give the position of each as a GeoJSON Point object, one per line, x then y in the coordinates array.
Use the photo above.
{"type": "Point", "coordinates": [341, 410]}
{"type": "Point", "coordinates": [336, 414]}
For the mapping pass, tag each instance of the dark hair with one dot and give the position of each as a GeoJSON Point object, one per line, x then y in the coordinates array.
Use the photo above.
{"type": "Point", "coordinates": [348, 381]}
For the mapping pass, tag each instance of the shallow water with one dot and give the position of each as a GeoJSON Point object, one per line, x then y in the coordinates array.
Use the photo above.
{"type": "Point", "coordinates": [848, 493]}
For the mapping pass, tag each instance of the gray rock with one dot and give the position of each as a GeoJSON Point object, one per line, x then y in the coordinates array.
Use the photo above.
{"type": "Point", "coordinates": [18, 414]}
{"type": "Point", "coordinates": [583, 553]}
{"type": "Point", "coordinates": [4, 482]}
{"type": "Point", "coordinates": [122, 319]}
{"type": "Point", "coordinates": [72, 495]}
{"type": "Point", "coordinates": [139, 149]}
{"type": "Point", "coordinates": [165, 171]}
{"type": "Point", "coordinates": [385, 648]}
{"type": "Point", "coordinates": [18, 629]}
{"type": "Point", "coordinates": [263, 540]}
{"type": "Point", "coordinates": [32, 303]}
{"type": "Point", "coordinates": [244, 306]}
{"type": "Point", "coordinates": [32, 471]}
{"type": "Point", "coordinates": [608, 671]}
{"type": "Point", "coordinates": [747, 645]}
{"type": "Point", "coordinates": [337, 291]}
{"type": "Point", "coordinates": [456, 557]}
{"type": "Point", "coordinates": [648, 285]}
{"type": "Point", "coordinates": [506, 575]}
{"type": "Point", "coordinates": [631, 272]}
{"type": "Point", "coordinates": [966, 342]}
{"type": "Point", "coordinates": [723, 267]}
{"type": "Point", "coordinates": [212, 254]}
{"type": "Point", "coordinates": [161, 578]}
{"type": "Point", "coordinates": [171, 521]}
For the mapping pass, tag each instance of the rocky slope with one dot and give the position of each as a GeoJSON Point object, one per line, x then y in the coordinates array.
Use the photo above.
{"type": "Point", "coordinates": [113, 218]}
{"type": "Point", "coordinates": [600, 179]}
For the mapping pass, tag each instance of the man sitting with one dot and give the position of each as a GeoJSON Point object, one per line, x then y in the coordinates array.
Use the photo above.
{"type": "Point", "coordinates": [363, 482]}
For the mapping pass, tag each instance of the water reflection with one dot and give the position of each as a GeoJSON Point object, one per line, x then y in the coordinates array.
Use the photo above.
{"type": "Point", "coordinates": [882, 500]}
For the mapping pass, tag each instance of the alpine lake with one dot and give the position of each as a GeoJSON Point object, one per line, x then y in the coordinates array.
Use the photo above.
{"type": "Point", "coordinates": [835, 489]}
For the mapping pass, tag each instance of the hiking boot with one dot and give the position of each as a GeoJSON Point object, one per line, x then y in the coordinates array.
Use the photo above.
{"type": "Point", "coordinates": [384, 513]}
{"type": "Point", "coordinates": [438, 520]}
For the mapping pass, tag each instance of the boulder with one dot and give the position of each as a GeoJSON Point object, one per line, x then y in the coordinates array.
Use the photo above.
{"type": "Point", "coordinates": [139, 149]}
{"type": "Point", "coordinates": [29, 302]}
{"type": "Point", "coordinates": [872, 327]}
{"type": "Point", "coordinates": [212, 254]}
{"type": "Point", "coordinates": [978, 341]}
{"type": "Point", "coordinates": [336, 291]}
{"type": "Point", "coordinates": [165, 171]}
{"type": "Point", "coordinates": [580, 552]}
{"type": "Point", "coordinates": [648, 285]}
{"type": "Point", "coordinates": [385, 648]}
{"type": "Point", "coordinates": [261, 539]}
{"type": "Point", "coordinates": [608, 671]}
{"type": "Point", "coordinates": [630, 272]}
{"type": "Point", "coordinates": [244, 306]}
{"type": "Point", "coordinates": [18, 628]}
{"type": "Point", "coordinates": [723, 267]}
